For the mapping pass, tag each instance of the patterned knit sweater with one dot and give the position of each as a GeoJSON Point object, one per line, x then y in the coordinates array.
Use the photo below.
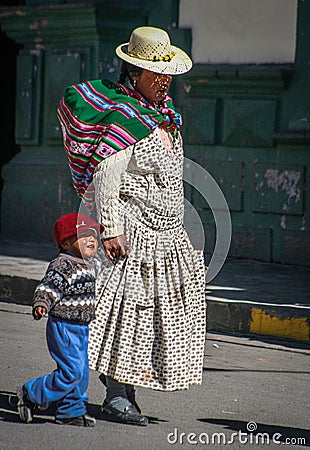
{"type": "Point", "coordinates": [67, 290]}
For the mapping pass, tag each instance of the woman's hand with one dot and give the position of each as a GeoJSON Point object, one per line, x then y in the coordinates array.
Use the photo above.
{"type": "Point", "coordinates": [116, 247]}
{"type": "Point", "coordinates": [38, 312]}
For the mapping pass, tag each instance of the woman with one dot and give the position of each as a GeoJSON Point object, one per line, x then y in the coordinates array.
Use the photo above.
{"type": "Point", "coordinates": [125, 153]}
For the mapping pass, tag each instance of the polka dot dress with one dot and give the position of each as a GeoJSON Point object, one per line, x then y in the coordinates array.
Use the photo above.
{"type": "Point", "coordinates": [151, 312]}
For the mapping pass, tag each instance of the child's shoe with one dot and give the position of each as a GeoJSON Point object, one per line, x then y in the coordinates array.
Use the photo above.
{"type": "Point", "coordinates": [25, 407]}
{"type": "Point", "coordinates": [81, 421]}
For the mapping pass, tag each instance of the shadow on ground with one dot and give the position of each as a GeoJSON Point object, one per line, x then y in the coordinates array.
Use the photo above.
{"type": "Point", "coordinates": [255, 340]}
{"type": "Point", "coordinates": [8, 411]}
{"type": "Point", "coordinates": [261, 432]}
{"type": "Point", "coordinates": [214, 369]}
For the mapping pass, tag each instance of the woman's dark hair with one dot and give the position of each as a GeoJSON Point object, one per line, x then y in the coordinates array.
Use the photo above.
{"type": "Point", "coordinates": [127, 70]}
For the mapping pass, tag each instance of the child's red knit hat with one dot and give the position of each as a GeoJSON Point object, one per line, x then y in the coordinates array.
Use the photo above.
{"type": "Point", "coordinates": [71, 225]}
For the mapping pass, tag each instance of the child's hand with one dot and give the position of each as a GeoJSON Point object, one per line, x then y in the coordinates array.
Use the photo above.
{"type": "Point", "coordinates": [38, 312]}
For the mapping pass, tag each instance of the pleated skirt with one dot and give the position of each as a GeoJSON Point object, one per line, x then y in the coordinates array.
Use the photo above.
{"type": "Point", "coordinates": [150, 321]}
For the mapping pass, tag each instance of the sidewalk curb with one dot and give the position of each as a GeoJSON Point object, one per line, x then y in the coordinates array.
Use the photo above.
{"type": "Point", "coordinates": [246, 318]}
{"type": "Point", "coordinates": [15, 289]}
{"type": "Point", "coordinates": [252, 318]}
{"type": "Point", "coordinates": [216, 339]}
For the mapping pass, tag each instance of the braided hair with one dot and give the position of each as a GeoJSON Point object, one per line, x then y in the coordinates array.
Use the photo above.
{"type": "Point", "coordinates": [127, 71]}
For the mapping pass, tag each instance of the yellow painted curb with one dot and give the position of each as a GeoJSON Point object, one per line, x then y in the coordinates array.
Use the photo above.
{"type": "Point", "coordinates": [293, 328]}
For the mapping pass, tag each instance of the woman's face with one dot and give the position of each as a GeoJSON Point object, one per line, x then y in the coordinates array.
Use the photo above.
{"type": "Point", "coordinates": [153, 86]}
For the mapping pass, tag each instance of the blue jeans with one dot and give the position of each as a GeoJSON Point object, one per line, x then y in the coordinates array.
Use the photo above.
{"type": "Point", "coordinates": [68, 345]}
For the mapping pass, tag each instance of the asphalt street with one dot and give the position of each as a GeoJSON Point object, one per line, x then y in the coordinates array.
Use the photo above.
{"type": "Point", "coordinates": [255, 394]}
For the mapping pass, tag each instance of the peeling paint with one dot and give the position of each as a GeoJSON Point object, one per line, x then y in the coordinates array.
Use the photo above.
{"type": "Point", "coordinates": [286, 181]}
{"type": "Point", "coordinates": [38, 24]}
{"type": "Point", "coordinates": [186, 88]}
{"type": "Point", "coordinates": [35, 52]}
{"type": "Point", "coordinates": [288, 327]}
{"type": "Point", "coordinates": [11, 12]}
{"type": "Point", "coordinates": [303, 224]}
{"type": "Point", "coordinates": [282, 222]}
{"type": "Point", "coordinates": [60, 192]}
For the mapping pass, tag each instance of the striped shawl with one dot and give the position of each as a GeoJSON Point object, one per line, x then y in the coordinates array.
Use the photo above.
{"type": "Point", "coordinates": [99, 118]}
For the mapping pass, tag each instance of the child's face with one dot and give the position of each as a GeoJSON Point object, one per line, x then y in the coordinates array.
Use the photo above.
{"type": "Point", "coordinates": [85, 246]}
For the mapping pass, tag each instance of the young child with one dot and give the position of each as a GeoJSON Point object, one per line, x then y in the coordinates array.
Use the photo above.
{"type": "Point", "coordinates": [67, 294]}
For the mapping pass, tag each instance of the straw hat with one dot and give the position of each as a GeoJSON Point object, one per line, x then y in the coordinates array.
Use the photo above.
{"type": "Point", "coordinates": [150, 48]}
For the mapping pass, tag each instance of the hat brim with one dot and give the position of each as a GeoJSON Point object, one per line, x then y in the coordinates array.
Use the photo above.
{"type": "Point", "coordinates": [180, 63]}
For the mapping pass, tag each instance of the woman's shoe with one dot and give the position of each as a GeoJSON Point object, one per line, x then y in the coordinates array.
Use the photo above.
{"type": "Point", "coordinates": [130, 392]}
{"type": "Point", "coordinates": [131, 395]}
{"type": "Point", "coordinates": [121, 410]}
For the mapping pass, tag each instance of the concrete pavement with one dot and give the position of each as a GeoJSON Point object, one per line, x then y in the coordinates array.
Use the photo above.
{"type": "Point", "coordinates": [249, 298]}
{"type": "Point", "coordinates": [255, 394]}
